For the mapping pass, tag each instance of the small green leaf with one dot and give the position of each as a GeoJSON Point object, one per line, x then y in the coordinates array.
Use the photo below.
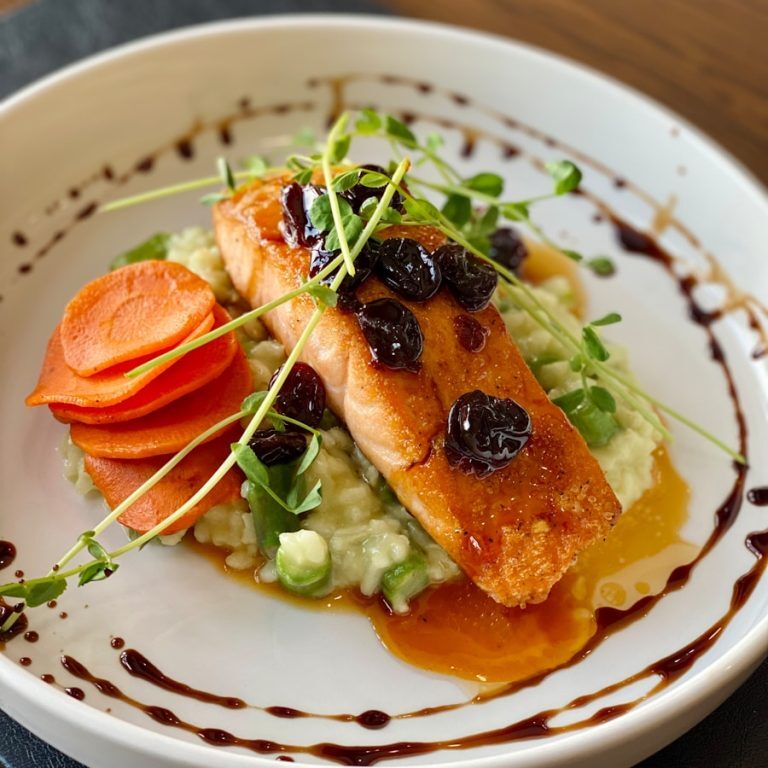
{"type": "Point", "coordinates": [576, 363]}
{"type": "Point", "coordinates": [303, 176]}
{"type": "Point", "coordinates": [488, 183]}
{"type": "Point", "coordinates": [566, 175]}
{"type": "Point", "coordinates": [97, 551]}
{"type": "Point", "coordinates": [249, 462]}
{"type": "Point", "coordinates": [321, 214]}
{"type": "Point", "coordinates": [253, 402]}
{"type": "Point", "coordinates": [399, 131]}
{"type": "Point", "coordinates": [309, 455]}
{"type": "Point", "coordinates": [97, 571]}
{"type": "Point", "coordinates": [225, 173]}
{"type": "Point", "coordinates": [311, 501]}
{"type": "Point", "coordinates": [13, 590]}
{"type": "Point", "coordinates": [304, 138]}
{"type": "Point", "coordinates": [256, 165]}
{"type": "Point", "coordinates": [352, 224]}
{"type": "Point", "coordinates": [515, 211]}
{"type": "Point", "coordinates": [368, 122]}
{"type": "Point", "coordinates": [340, 148]}
{"type": "Point", "coordinates": [573, 255]}
{"type": "Point", "coordinates": [458, 210]}
{"type": "Point", "coordinates": [602, 266]}
{"type": "Point", "coordinates": [596, 426]}
{"type": "Point", "coordinates": [42, 592]}
{"type": "Point", "coordinates": [434, 141]}
{"type": "Point", "coordinates": [153, 248]}
{"type": "Point", "coordinates": [593, 345]}
{"type": "Point", "coordinates": [603, 399]}
{"type": "Point", "coordinates": [368, 207]}
{"type": "Point", "coordinates": [374, 180]}
{"type": "Point", "coordinates": [488, 222]}
{"type": "Point", "coordinates": [213, 197]}
{"type": "Point", "coordinates": [609, 319]}
{"type": "Point", "coordinates": [420, 209]}
{"type": "Point", "coordinates": [324, 295]}
{"type": "Point", "coordinates": [391, 216]}
{"type": "Point", "coordinates": [346, 180]}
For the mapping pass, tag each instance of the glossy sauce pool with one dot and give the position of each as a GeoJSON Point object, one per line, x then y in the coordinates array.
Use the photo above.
{"type": "Point", "coordinates": [456, 629]}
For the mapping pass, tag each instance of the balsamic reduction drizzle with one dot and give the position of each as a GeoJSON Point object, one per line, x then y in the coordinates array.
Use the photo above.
{"type": "Point", "coordinates": [7, 554]}
{"type": "Point", "coordinates": [758, 496]}
{"type": "Point", "coordinates": [667, 669]}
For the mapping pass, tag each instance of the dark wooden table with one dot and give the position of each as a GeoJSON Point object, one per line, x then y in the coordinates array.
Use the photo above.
{"type": "Point", "coordinates": [706, 59]}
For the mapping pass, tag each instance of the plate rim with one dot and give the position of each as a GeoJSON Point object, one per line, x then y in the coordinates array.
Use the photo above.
{"type": "Point", "coordinates": [702, 689]}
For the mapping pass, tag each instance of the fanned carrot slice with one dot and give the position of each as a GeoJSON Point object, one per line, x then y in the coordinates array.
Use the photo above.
{"type": "Point", "coordinates": [118, 478]}
{"type": "Point", "coordinates": [194, 370]}
{"type": "Point", "coordinates": [139, 310]}
{"type": "Point", "coordinates": [173, 427]}
{"type": "Point", "coordinates": [58, 383]}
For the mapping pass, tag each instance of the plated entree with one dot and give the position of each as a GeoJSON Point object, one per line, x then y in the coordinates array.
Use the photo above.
{"type": "Point", "coordinates": [345, 387]}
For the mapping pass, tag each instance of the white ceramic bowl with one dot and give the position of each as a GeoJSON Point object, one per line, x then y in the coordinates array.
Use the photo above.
{"type": "Point", "coordinates": [119, 108]}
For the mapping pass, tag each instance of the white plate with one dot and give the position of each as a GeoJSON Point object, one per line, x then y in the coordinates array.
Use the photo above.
{"type": "Point", "coordinates": [119, 108]}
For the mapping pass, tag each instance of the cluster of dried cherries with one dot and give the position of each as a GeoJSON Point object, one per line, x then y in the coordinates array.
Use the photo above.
{"type": "Point", "coordinates": [484, 433]}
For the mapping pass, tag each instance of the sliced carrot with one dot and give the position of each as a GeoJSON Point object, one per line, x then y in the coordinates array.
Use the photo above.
{"type": "Point", "coordinates": [141, 309]}
{"type": "Point", "coordinates": [58, 383]}
{"type": "Point", "coordinates": [193, 371]}
{"type": "Point", "coordinates": [173, 427]}
{"type": "Point", "coordinates": [117, 479]}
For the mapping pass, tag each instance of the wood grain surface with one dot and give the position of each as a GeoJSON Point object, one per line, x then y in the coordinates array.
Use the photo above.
{"type": "Point", "coordinates": [705, 59]}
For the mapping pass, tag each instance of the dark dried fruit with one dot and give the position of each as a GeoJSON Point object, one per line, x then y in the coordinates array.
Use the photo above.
{"type": "Point", "coordinates": [408, 269]}
{"type": "Point", "coordinates": [392, 333]}
{"type": "Point", "coordinates": [470, 333]}
{"type": "Point", "coordinates": [507, 248]}
{"type": "Point", "coordinates": [274, 447]}
{"type": "Point", "coordinates": [358, 194]}
{"type": "Point", "coordinates": [365, 263]}
{"type": "Point", "coordinates": [296, 201]}
{"type": "Point", "coordinates": [302, 396]}
{"type": "Point", "coordinates": [485, 433]}
{"type": "Point", "coordinates": [471, 281]}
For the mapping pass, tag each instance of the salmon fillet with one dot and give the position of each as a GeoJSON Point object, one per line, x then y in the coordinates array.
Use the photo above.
{"type": "Point", "coordinates": [515, 532]}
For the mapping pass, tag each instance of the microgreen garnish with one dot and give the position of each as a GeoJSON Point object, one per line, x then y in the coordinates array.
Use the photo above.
{"type": "Point", "coordinates": [155, 247]}
{"type": "Point", "coordinates": [590, 411]}
{"type": "Point", "coordinates": [601, 265]}
{"type": "Point", "coordinates": [326, 219]}
{"type": "Point", "coordinates": [255, 165]}
{"type": "Point", "coordinates": [335, 151]}
{"type": "Point", "coordinates": [225, 174]}
{"type": "Point", "coordinates": [292, 499]}
{"type": "Point", "coordinates": [566, 175]}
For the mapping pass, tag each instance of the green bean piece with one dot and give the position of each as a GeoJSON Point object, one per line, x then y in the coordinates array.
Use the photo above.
{"type": "Point", "coordinates": [404, 581]}
{"type": "Point", "coordinates": [304, 563]}
{"type": "Point", "coordinates": [269, 518]}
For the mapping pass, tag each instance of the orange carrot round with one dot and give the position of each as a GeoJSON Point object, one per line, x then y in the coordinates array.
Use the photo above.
{"type": "Point", "coordinates": [195, 369]}
{"type": "Point", "coordinates": [171, 428]}
{"type": "Point", "coordinates": [139, 310]}
{"type": "Point", "coordinates": [117, 479]}
{"type": "Point", "coordinates": [58, 383]}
